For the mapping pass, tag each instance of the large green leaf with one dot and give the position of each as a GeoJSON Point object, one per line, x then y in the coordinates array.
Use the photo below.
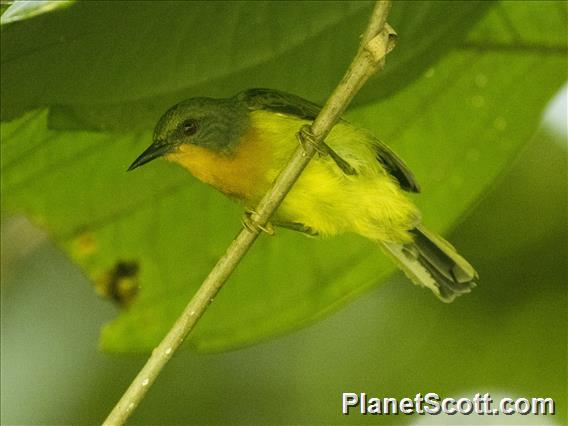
{"type": "Point", "coordinates": [457, 125]}
{"type": "Point", "coordinates": [157, 53]}
{"type": "Point", "coordinates": [392, 342]}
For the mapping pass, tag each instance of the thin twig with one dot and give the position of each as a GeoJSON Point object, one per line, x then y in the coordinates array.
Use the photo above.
{"type": "Point", "coordinates": [377, 41]}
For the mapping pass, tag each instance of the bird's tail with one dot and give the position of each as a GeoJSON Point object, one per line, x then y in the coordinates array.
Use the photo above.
{"type": "Point", "coordinates": [430, 261]}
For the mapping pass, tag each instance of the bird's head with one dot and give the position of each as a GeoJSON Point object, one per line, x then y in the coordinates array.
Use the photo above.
{"type": "Point", "coordinates": [214, 124]}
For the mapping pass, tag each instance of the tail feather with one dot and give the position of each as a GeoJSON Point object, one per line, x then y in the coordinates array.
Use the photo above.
{"type": "Point", "coordinates": [430, 261]}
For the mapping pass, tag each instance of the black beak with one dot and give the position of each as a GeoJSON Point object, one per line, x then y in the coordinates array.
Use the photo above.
{"type": "Point", "coordinates": [157, 149]}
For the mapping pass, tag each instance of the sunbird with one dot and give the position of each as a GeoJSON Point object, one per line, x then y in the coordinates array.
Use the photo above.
{"type": "Point", "coordinates": [238, 145]}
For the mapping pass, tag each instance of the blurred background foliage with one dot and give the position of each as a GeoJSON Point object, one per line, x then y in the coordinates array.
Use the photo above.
{"type": "Point", "coordinates": [460, 100]}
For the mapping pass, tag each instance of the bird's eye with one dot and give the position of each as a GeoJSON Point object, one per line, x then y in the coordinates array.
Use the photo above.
{"type": "Point", "coordinates": [190, 126]}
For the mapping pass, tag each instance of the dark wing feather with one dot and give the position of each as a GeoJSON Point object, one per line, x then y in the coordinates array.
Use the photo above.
{"type": "Point", "coordinates": [274, 100]}
{"type": "Point", "coordinates": [396, 167]}
{"type": "Point", "coordinates": [286, 103]}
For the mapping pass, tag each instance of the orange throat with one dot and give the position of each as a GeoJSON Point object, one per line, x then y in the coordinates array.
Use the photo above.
{"type": "Point", "coordinates": [240, 174]}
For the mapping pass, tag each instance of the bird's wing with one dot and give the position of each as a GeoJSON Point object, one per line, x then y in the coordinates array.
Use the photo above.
{"type": "Point", "coordinates": [277, 101]}
{"type": "Point", "coordinates": [286, 103]}
{"type": "Point", "coordinates": [396, 167]}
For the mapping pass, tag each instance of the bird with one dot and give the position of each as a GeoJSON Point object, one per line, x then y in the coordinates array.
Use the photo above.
{"type": "Point", "coordinates": [357, 184]}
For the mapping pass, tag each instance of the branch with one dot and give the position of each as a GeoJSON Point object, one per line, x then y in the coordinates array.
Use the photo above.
{"type": "Point", "coordinates": [376, 42]}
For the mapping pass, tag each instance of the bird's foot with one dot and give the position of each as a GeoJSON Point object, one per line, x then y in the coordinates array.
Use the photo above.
{"type": "Point", "coordinates": [306, 137]}
{"type": "Point", "coordinates": [253, 226]}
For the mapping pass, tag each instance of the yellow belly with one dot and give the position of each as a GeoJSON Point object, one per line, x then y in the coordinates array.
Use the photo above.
{"type": "Point", "coordinates": [327, 200]}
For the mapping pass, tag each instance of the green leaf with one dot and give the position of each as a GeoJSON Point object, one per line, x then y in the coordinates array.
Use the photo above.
{"type": "Point", "coordinates": [20, 10]}
{"type": "Point", "coordinates": [458, 124]}
{"type": "Point", "coordinates": [157, 53]}
{"type": "Point", "coordinates": [499, 339]}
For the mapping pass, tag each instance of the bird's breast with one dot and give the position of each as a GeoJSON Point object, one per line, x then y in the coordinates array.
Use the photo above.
{"type": "Point", "coordinates": [241, 174]}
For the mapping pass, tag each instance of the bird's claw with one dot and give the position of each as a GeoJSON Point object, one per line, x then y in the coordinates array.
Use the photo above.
{"type": "Point", "coordinates": [306, 137]}
{"type": "Point", "coordinates": [253, 226]}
